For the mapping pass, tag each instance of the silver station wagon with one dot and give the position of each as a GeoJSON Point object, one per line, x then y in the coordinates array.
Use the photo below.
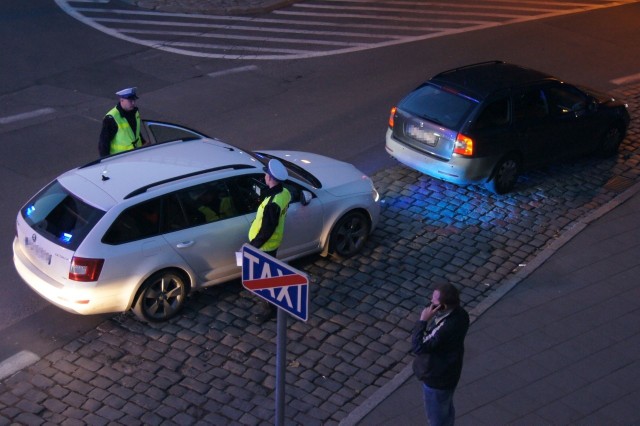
{"type": "Point", "coordinates": [141, 229]}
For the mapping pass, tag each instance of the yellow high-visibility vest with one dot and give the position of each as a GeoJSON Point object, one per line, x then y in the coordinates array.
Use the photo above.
{"type": "Point", "coordinates": [125, 139]}
{"type": "Point", "coordinates": [282, 199]}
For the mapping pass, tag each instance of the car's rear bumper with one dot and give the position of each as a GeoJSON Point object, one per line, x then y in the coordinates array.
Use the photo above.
{"type": "Point", "coordinates": [83, 298]}
{"type": "Point", "coordinates": [458, 169]}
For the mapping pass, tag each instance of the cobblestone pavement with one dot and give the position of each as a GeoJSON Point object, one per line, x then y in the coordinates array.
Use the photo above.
{"type": "Point", "coordinates": [213, 365]}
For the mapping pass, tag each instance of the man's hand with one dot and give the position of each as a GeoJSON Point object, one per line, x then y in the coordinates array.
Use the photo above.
{"type": "Point", "coordinates": [429, 312]}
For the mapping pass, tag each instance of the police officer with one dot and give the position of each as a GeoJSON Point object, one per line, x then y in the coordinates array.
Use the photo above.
{"type": "Point", "coordinates": [121, 125]}
{"type": "Point", "coordinates": [267, 229]}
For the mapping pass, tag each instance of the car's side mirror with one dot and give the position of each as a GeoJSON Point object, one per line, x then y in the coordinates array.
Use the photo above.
{"type": "Point", "coordinates": [306, 197]}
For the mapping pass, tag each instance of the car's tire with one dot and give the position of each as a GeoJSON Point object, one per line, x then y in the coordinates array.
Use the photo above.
{"type": "Point", "coordinates": [161, 296]}
{"type": "Point", "coordinates": [349, 234]}
{"type": "Point", "coordinates": [610, 141]}
{"type": "Point", "coordinates": [504, 175]}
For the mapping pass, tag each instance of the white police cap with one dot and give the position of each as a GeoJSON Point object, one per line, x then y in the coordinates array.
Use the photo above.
{"type": "Point", "coordinates": [276, 170]}
{"type": "Point", "coordinates": [128, 93]}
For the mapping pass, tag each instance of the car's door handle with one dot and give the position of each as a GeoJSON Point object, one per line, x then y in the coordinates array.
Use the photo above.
{"type": "Point", "coordinates": [185, 244]}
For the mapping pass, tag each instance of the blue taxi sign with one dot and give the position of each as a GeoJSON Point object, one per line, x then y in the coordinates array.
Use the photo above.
{"type": "Point", "coordinates": [275, 281]}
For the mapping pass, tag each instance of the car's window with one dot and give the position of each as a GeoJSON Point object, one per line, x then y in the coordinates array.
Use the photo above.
{"type": "Point", "coordinates": [60, 216]}
{"type": "Point", "coordinates": [530, 105]}
{"type": "Point", "coordinates": [174, 214]}
{"type": "Point", "coordinates": [438, 105]}
{"type": "Point", "coordinates": [565, 99]}
{"type": "Point", "coordinates": [495, 114]}
{"type": "Point", "coordinates": [166, 132]}
{"type": "Point", "coordinates": [200, 204]}
{"type": "Point", "coordinates": [193, 206]}
{"type": "Point", "coordinates": [135, 223]}
{"type": "Point", "coordinates": [189, 207]}
{"type": "Point", "coordinates": [248, 191]}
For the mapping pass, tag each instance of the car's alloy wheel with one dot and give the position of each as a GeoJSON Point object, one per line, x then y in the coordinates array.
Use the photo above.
{"type": "Point", "coordinates": [505, 176]}
{"type": "Point", "coordinates": [610, 141]}
{"type": "Point", "coordinates": [162, 296]}
{"type": "Point", "coordinates": [349, 234]}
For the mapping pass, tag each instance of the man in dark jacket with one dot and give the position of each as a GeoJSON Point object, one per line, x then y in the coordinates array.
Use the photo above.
{"type": "Point", "coordinates": [267, 229]}
{"type": "Point", "coordinates": [438, 344]}
{"type": "Point", "coordinates": [121, 125]}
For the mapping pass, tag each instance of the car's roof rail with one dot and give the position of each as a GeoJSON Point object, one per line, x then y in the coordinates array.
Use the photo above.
{"type": "Point", "coordinates": [175, 178]}
{"type": "Point", "coordinates": [470, 66]}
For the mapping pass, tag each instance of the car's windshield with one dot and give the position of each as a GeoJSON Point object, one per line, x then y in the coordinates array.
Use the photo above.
{"type": "Point", "coordinates": [60, 217]}
{"type": "Point", "coordinates": [440, 106]}
{"type": "Point", "coordinates": [293, 169]}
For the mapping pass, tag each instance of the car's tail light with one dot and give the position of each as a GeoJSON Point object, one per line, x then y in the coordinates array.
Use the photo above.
{"type": "Point", "coordinates": [392, 117]}
{"type": "Point", "coordinates": [86, 270]}
{"type": "Point", "coordinates": [463, 145]}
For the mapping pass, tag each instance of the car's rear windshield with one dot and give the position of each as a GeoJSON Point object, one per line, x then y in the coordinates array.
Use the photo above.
{"type": "Point", "coordinates": [438, 105]}
{"type": "Point", "coordinates": [60, 216]}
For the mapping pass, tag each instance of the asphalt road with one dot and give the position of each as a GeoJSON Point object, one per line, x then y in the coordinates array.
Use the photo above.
{"type": "Point", "coordinates": [59, 78]}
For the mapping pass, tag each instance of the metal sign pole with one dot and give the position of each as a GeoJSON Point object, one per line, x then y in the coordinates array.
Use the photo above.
{"type": "Point", "coordinates": [281, 367]}
{"type": "Point", "coordinates": [289, 293]}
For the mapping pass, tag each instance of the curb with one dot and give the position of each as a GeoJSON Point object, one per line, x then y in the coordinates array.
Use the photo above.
{"type": "Point", "coordinates": [579, 225]}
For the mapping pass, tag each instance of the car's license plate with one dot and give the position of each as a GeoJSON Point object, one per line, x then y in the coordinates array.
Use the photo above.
{"type": "Point", "coordinates": [422, 135]}
{"type": "Point", "coordinates": [38, 251]}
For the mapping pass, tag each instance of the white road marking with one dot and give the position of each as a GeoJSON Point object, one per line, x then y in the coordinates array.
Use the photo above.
{"type": "Point", "coordinates": [159, 43]}
{"type": "Point", "coordinates": [233, 71]}
{"type": "Point", "coordinates": [243, 19]}
{"type": "Point", "coordinates": [468, 6]}
{"type": "Point", "coordinates": [241, 28]}
{"type": "Point", "coordinates": [290, 41]}
{"type": "Point", "coordinates": [381, 17]}
{"type": "Point", "coordinates": [16, 363]}
{"type": "Point", "coordinates": [338, 11]}
{"type": "Point", "coordinates": [625, 80]}
{"type": "Point", "coordinates": [358, 24]}
{"type": "Point", "coordinates": [26, 115]}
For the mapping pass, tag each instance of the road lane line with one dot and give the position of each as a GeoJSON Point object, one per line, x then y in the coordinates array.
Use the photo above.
{"type": "Point", "coordinates": [628, 79]}
{"type": "Point", "coordinates": [227, 47]}
{"type": "Point", "coordinates": [26, 115]}
{"type": "Point", "coordinates": [252, 20]}
{"type": "Point", "coordinates": [16, 363]}
{"type": "Point", "coordinates": [253, 29]}
{"type": "Point", "coordinates": [233, 71]}
{"type": "Point", "coordinates": [535, 3]}
{"type": "Point", "coordinates": [406, 9]}
{"type": "Point", "coordinates": [283, 40]}
{"type": "Point", "coordinates": [338, 14]}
